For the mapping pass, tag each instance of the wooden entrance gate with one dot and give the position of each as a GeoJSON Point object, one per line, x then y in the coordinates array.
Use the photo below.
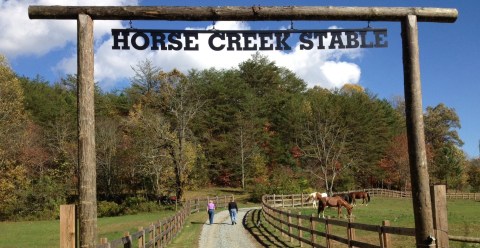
{"type": "Point", "coordinates": [408, 17]}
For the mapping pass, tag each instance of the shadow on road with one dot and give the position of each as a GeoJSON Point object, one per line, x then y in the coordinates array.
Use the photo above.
{"type": "Point", "coordinates": [264, 235]}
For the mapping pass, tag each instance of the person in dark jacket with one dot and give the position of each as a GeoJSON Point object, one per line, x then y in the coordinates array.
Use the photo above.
{"type": "Point", "coordinates": [233, 209]}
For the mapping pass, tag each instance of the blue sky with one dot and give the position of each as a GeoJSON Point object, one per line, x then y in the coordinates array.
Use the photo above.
{"type": "Point", "coordinates": [449, 52]}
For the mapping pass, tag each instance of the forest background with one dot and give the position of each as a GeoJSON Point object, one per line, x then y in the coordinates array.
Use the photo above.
{"type": "Point", "coordinates": [256, 126]}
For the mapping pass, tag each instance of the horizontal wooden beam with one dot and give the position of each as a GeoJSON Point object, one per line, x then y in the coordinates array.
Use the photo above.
{"type": "Point", "coordinates": [239, 13]}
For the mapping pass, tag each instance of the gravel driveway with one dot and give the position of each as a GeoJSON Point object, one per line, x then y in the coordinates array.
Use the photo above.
{"type": "Point", "coordinates": [223, 234]}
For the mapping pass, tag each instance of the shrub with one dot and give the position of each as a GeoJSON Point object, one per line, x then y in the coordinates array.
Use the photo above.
{"type": "Point", "coordinates": [107, 209]}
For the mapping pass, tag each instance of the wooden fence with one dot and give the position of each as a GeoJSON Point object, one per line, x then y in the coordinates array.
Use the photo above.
{"type": "Point", "coordinates": [163, 232]}
{"type": "Point", "coordinates": [298, 227]}
{"type": "Point", "coordinates": [408, 194]}
{"type": "Point", "coordinates": [157, 234]}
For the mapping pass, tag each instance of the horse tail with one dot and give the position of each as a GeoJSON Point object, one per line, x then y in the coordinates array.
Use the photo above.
{"type": "Point", "coordinates": [368, 197]}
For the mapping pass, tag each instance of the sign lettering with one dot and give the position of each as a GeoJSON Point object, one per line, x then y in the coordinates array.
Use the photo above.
{"type": "Point", "coordinates": [248, 40]}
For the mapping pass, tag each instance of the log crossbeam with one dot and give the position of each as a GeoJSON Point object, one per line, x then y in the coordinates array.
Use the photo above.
{"type": "Point", "coordinates": [241, 13]}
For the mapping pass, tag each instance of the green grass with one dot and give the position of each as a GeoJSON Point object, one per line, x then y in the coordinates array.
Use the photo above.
{"type": "Point", "coordinates": [463, 217]}
{"type": "Point", "coordinates": [47, 233]}
{"type": "Point", "coordinates": [188, 237]}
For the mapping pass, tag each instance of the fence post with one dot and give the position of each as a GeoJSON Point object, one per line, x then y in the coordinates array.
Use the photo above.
{"type": "Point", "coordinates": [300, 232]}
{"type": "Point", "coordinates": [350, 231]}
{"type": "Point", "coordinates": [67, 226]}
{"type": "Point", "coordinates": [153, 234]}
{"type": "Point", "coordinates": [159, 234]}
{"type": "Point", "coordinates": [290, 225]}
{"type": "Point", "coordinates": [293, 201]}
{"type": "Point", "coordinates": [440, 218]}
{"type": "Point", "coordinates": [313, 238]}
{"type": "Point", "coordinates": [283, 200]}
{"type": "Point", "coordinates": [386, 236]}
{"type": "Point", "coordinates": [127, 240]}
{"type": "Point", "coordinates": [301, 201]}
{"type": "Point", "coordinates": [141, 239]}
{"type": "Point", "coordinates": [327, 232]}
{"type": "Point", "coordinates": [104, 241]}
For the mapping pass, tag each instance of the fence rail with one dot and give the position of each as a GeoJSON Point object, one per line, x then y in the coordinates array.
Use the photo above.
{"type": "Point", "coordinates": [296, 225]}
{"type": "Point", "coordinates": [408, 194]}
{"type": "Point", "coordinates": [162, 233]}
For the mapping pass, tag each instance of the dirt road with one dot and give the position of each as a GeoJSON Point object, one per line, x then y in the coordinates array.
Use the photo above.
{"type": "Point", "coordinates": [222, 234]}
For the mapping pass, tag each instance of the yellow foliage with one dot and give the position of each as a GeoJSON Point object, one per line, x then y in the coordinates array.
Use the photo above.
{"type": "Point", "coordinates": [352, 88]}
{"type": "Point", "coordinates": [12, 114]}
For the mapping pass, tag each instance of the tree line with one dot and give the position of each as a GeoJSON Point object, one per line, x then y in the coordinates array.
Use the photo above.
{"type": "Point", "coordinates": [256, 126]}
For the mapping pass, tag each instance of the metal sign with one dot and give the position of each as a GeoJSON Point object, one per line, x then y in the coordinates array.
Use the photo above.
{"type": "Point", "coordinates": [248, 40]}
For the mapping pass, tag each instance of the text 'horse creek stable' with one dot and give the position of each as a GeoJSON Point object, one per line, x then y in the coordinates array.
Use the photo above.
{"type": "Point", "coordinates": [248, 40]}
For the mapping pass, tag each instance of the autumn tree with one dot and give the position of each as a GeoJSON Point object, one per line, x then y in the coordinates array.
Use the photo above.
{"type": "Point", "coordinates": [396, 164]}
{"type": "Point", "coordinates": [151, 138]}
{"type": "Point", "coordinates": [13, 178]}
{"type": "Point", "coordinates": [181, 103]}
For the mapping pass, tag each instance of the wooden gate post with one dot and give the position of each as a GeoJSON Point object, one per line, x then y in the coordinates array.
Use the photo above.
{"type": "Point", "coordinates": [67, 226]}
{"type": "Point", "coordinates": [86, 133]}
{"type": "Point", "coordinates": [440, 220]}
{"type": "Point", "coordinates": [416, 134]}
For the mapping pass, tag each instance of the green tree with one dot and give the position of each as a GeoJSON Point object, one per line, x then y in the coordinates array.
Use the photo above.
{"type": "Point", "coordinates": [441, 124]}
{"type": "Point", "coordinates": [324, 142]}
{"type": "Point", "coordinates": [474, 175]}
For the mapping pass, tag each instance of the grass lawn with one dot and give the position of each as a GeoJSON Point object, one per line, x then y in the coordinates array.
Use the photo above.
{"type": "Point", "coordinates": [47, 233]}
{"type": "Point", "coordinates": [463, 220]}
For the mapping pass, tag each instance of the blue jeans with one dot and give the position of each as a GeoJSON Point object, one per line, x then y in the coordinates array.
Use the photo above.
{"type": "Point", "coordinates": [233, 215]}
{"type": "Point", "coordinates": [211, 213]}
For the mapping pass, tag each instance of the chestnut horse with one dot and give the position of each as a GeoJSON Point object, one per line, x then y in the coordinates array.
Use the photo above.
{"type": "Point", "coordinates": [334, 201]}
{"type": "Point", "coordinates": [360, 195]}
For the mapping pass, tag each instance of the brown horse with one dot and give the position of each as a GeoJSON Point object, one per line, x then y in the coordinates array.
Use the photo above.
{"type": "Point", "coordinates": [334, 201]}
{"type": "Point", "coordinates": [360, 195]}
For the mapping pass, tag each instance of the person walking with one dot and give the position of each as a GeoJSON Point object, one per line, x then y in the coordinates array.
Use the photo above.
{"type": "Point", "coordinates": [233, 209]}
{"type": "Point", "coordinates": [211, 211]}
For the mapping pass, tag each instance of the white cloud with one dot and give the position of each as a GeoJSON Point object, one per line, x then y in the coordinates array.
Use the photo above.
{"type": "Point", "coordinates": [326, 68]}
{"type": "Point", "coordinates": [21, 36]}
